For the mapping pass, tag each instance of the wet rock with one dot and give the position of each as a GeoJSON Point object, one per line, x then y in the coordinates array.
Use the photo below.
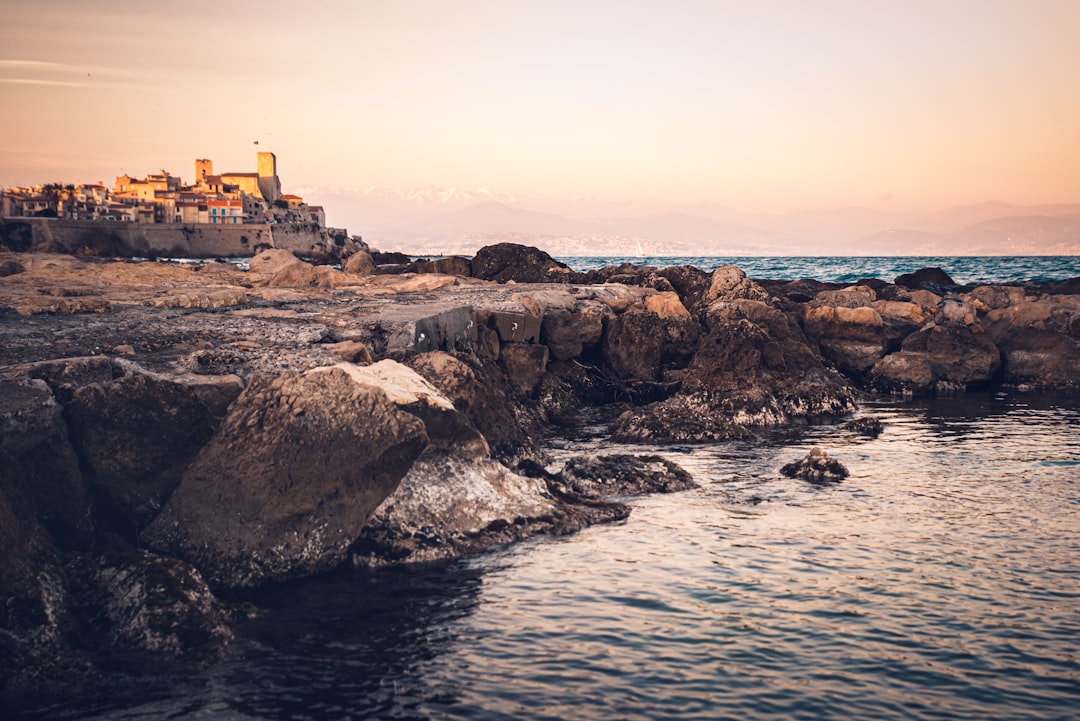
{"type": "Point", "coordinates": [871, 426]}
{"type": "Point", "coordinates": [139, 607]}
{"type": "Point", "coordinates": [816, 467]}
{"type": "Point", "coordinates": [755, 364]}
{"type": "Point", "coordinates": [624, 475]}
{"type": "Point", "coordinates": [289, 479]}
{"type": "Point", "coordinates": [505, 262]}
{"type": "Point", "coordinates": [935, 280]}
{"type": "Point", "coordinates": [448, 506]}
{"type": "Point", "coordinates": [678, 419]}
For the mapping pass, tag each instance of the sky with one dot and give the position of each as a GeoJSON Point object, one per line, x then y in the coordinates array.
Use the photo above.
{"type": "Point", "coordinates": [762, 106]}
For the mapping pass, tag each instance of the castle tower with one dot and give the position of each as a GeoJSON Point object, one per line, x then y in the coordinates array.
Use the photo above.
{"type": "Point", "coordinates": [269, 185]}
{"type": "Point", "coordinates": [203, 169]}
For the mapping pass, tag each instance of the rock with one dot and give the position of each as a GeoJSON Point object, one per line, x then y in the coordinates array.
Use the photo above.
{"type": "Point", "coordinates": [816, 467]}
{"type": "Point", "coordinates": [853, 337]}
{"type": "Point", "coordinates": [866, 426]}
{"type": "Point", "coordinates": [11, 267]}
{"type": "Point", "coordinates": [446, 427]}
{"type": "Point", "coordinates": [633, 345]}
{"type": "Point", "coordinates": [985, 298]}
{"type": "Point", "coordinates": [754, 363]}
{"type": "Point", "coordinates": [1039, 341]}
{"type": "Point", "coordinates": [945, 357]}
{"type": "Point", "coordinates": [505, 262]}
{"type": "Point", "coordinates": [359, 263]}
{"type": "Point", "coordinates": [690, 282]}
{"type": "Point", "coordinates": [39, 458]}
{"type": "Point", "coordinates": [678, 419]}
{"type": "Point", "coordinates": [136, 435]}
{"type": "Point", "coordinates": [932, 279]}
{"type": "Point", "coordinates": [524, 364]}
{"type": "Point", "coordinates": [272, 260]}
{"type": "Point", "coordinates": [453, 265]}
{"type": "Point", "coordinates": [135, 603]}
{"type": "Point", "coordinates": [448, 506]}
{"type": "Point", "coordinates": [351, 351]}
{"type": "Point", "coordinates": [479, 389]}
{"type": "Point", "coordinates": [288, 480]}
{"type": "Point", "coordinates": [562, 334]}
{"type": "Point", "coordinates": [624, 475]}
{"type": "Point", "coordinates": [730, 283]}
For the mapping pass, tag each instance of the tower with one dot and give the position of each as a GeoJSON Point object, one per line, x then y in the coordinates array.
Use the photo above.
{"type": "Point", "coordinates": [269, 185]}
{"type": "Point", "coordinates": [203, 169]}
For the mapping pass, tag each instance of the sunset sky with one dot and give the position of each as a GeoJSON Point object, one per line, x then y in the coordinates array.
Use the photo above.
{"type": "Point", "coordinates": [756, 105]}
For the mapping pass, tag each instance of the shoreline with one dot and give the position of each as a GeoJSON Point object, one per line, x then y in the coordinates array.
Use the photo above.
{"type": "Point", "coordinates": [176, 430]}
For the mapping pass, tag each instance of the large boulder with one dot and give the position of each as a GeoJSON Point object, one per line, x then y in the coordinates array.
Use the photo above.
{"type": "Point", "coordinates": [289, 479]}
{"type": "Point", "coordinates": [136, 434]}
{"type": "Point", "coordinates": [480, 389]}
{"type": "Point", "coordinates": [1039, 339]}
{"type": "Point", "coordinates": [952, 352]}
{"type": "Point", "coordinates": [848, 329]}
{"type": "Point", "coordinates": [933, 279]}
{"type": "Point", "coordinates": [359, 263]}
{"type": "Point", "coordinates": [504, 262]}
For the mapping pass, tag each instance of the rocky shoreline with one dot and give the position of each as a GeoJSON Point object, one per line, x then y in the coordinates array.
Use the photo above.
{"type": "Point", "coordinates": [173, 431]}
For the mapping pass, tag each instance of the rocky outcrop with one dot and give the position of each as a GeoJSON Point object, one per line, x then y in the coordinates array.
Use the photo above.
{"type": "Point", "coordinates": [359, 263]}
{"type": "Point", "coordinates": [752, 367]}
{"type": "Point", "coordinates": [289, 479]}
{"type": "Point", "coordinates": [952, 352]}
{"type": "Point", "coordinates": [504, 262]}
{"type": "Point", "coordinates": [935, 280]}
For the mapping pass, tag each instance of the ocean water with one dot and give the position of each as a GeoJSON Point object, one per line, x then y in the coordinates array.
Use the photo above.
{"type": "Point", "coordinates": [842, 269]}
{"type": "Point", "coordinates": [941, 580]}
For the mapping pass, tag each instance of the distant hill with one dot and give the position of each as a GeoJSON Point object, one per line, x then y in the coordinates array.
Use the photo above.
{"type": "Point", "coordinates": [431, 220]}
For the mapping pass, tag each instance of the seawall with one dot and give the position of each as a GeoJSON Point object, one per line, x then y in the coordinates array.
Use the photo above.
{"type": "Point", "coordinates": [177, 240]}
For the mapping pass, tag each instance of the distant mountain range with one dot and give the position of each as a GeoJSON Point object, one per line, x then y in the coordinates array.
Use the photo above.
{"type": "Point", "coordinates": [430, 220]}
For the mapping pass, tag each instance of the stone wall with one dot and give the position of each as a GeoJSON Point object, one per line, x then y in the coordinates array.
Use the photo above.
{"type": "Point", "coordinates": [125, 240]}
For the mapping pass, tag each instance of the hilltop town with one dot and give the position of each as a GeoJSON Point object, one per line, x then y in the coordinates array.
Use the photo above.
{"type": "Point", "coordinates": [162, 198]}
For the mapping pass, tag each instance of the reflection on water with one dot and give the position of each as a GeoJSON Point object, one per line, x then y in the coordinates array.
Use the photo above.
{"type": "Point", "coordinates": [940, 580]}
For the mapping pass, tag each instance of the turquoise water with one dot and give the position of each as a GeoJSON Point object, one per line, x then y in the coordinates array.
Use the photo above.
{"type": "Point", "coordinates": [941, 580]}
{"type": "Point", "coordinates": [838, 269]}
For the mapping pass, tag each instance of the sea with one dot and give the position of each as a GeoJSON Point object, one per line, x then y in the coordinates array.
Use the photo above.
{"type": "Point", "coordinates": [940, 580]}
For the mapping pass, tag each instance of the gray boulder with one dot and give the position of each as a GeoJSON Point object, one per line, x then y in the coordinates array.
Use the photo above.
{"type": "Point", "coordinates": [289, 478]}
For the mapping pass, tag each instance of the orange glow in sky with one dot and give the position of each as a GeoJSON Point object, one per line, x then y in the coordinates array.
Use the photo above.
{"type": "Point", "coordinates": [771, 106]}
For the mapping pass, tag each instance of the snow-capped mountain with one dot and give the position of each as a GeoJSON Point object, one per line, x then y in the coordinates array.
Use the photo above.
{"type": "Point", "coordinates": [431, 220]}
